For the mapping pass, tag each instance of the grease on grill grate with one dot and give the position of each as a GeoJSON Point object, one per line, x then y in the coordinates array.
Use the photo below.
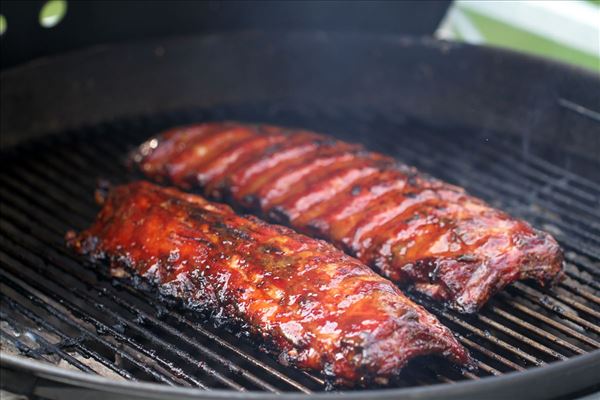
{"type": "Point", "coordinates": [62, 310]}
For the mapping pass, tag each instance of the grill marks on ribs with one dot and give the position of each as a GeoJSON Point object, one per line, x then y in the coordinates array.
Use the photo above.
{"type": "Point", "coordinates": [319, 308]}
{"type": "Point", "coordinates": [413, 229]}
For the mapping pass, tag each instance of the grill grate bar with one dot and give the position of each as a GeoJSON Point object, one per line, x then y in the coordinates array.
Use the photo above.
{"type": "Point", "coordinates": [470, 375]}
{"type": "Point", "coordinates": [487, 368]}
{"type": "Point", "coordinates": [442, 378]}
{"type": "Point", "coordinates": [54, 174]}
{"type": "Point", "coordinates": [555, 306]}
{"type": "Point", "coordinates": [494, 356]}
{"type": "Point", "coordinates": [570, 287]}
{"type": "Point", "coordinates": [580, 279]}
{"type": "Point", "coordinates": [575, 304]}
{"type": "Point", "coordinates": [532, 343]}
{"type": "Point", "coordinates": [549, 321]}
{"type": "Point", "coordinates": [86, 152]}
{"type": "Point", "coordinates": [51, 328]}
{"type": "Point", "coordinates": [57, 161]}
{"type": "Point", "coordinates": [536, 330]}
{"type": "Point", "coordinates": [434, 377]}
{"type": "Point", "coordinates": [583, 264]}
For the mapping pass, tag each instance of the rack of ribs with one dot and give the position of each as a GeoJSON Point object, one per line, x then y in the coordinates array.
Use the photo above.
{"type": "Point", "coordinates": [418, 231]}
{"type": "Point", "coordinates": [316, 307]}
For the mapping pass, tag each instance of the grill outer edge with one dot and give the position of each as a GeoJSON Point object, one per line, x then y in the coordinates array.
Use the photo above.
{"type": "Point", "coordinates": [579, 371]}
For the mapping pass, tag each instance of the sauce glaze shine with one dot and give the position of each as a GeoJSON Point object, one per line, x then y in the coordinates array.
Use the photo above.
{"type": "Point", "coordinates": [418, 231]}
{"type": "Point", "coordinates": [318, 308]}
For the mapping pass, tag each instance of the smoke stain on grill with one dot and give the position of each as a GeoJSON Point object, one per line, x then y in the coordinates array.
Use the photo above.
{"type": "Point", "coordinates": [46, 189]}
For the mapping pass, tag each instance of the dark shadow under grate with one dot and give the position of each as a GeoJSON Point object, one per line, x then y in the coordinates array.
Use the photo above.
{"type": "Point", "coordinates": [62, 310]}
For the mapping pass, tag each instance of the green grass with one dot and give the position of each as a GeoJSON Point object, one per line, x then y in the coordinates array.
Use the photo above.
{"type": "Point", "coordinates": [504, 35]}
{"type": "Point", "coordinates": [52, 13]}
{"type": "Point", "coordinates": [2, 24]}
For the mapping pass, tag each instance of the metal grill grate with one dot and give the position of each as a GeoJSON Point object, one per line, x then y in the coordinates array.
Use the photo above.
{"type": "Point", "coordinates": [62, 310]}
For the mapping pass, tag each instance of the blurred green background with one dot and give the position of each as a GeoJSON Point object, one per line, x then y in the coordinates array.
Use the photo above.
{"type": "Point", "coordinates": [568, 31]}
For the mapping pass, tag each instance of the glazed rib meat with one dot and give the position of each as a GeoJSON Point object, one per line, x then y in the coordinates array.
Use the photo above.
{"type": "Point", "coordinates": [316, 307]}
{"type": "Point", "coordinates": [418, 231]}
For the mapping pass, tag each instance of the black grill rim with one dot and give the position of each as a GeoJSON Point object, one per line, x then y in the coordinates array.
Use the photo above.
{"type": "Point", "coordinates": [551, 376]}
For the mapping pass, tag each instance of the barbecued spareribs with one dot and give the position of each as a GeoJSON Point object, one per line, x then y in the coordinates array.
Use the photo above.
{"type": "Point", "coordinates": [411, 228]}
{"type": "Point", "coordinates": [317, 307]}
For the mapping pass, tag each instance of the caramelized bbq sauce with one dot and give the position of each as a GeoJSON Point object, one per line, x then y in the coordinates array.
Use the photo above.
{"type": "Point", "coordinates": [416, 230]}
{"type": "Point", "coordinates": [320, 309]}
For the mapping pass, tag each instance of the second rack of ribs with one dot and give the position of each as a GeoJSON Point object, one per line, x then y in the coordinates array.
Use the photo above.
{"type": "Point", "coordinates": [416, 230]}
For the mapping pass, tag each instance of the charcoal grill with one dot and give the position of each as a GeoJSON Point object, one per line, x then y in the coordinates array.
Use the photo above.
{"type": "Point", "coordinates": [520, 132]}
